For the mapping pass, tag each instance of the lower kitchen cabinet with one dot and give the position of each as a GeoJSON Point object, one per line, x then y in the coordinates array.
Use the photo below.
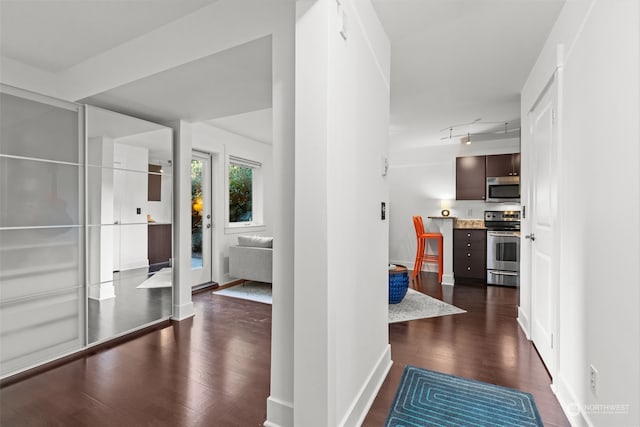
{"type": "Point", "coordinates": [470, 254]}
{"type": "Point", "coordinates": [159, 246]}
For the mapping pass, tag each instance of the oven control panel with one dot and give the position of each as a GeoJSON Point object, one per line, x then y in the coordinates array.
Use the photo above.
{"type": "Point", "coordinates": [506, 216]}
{"type": "Point", "coordinates": [502, 220]}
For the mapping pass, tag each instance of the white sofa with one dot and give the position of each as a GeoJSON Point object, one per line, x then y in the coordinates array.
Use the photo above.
{"type": "Point", "coordinates": [252, 259]}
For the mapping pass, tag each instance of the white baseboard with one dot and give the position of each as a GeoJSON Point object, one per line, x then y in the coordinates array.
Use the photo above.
{"type": "Point", "coordinates": [279, 413]}
{"type": "Point", "coordinates": [448, 279]}
{"type": "Point", "coordinates": [102, 292]}
{"type": "Point", "coordinates": [181, 312]}
{"type": "Point", "coordinates": [523, 321]}
{"type": "Point", "coordinates": [431, 268]}
{"type": "Point", "coordinates": [572, 409]}
{"type": "Point", "coordinates": [362, 403]}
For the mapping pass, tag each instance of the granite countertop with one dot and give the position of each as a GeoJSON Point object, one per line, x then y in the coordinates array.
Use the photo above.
{"type": "Point", "coordinates": [469, 223]}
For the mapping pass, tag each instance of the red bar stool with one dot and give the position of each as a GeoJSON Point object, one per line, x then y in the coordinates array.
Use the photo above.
{"type": "Point", "coordinates": [421, 255]}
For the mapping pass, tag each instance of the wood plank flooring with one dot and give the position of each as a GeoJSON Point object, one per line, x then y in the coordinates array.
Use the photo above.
{"type": "Point", "coordinates": [213, 370]}
{"type": "Point", "coordinates": [484, 344]}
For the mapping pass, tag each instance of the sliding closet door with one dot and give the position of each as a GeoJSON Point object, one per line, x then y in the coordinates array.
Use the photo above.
{"type": "Point", "coordinates": [42, 302]}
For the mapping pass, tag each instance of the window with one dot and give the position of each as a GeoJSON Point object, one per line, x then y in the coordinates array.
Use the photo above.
{"type": "Point", "coordinates": [244, 192]}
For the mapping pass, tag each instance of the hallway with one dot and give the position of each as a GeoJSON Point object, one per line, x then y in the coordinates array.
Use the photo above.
{"type": "Point", "coordinates": [211, 371]}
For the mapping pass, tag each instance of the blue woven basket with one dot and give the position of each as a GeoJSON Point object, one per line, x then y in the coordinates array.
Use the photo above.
{"type": "Point", "coordinates": [398, 285]}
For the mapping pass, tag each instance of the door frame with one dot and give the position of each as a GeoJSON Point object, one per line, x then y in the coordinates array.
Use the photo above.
{"type": "Point", "coordinates": [555, 86]}
{"type": "Point", "coordinates": [209, 176]}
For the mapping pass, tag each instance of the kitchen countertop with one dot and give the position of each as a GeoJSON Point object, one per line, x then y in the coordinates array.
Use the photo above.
{"type": "Point", "coordinates": [469, 223]}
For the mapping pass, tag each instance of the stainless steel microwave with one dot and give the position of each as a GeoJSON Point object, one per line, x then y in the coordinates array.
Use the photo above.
{"type": "Point", "coordinates": [503, 189]}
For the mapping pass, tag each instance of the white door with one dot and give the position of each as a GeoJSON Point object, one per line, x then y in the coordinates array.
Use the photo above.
{"type": "Point", "coordinates": [543, 209]}
{"type": "Point", "coordinates": [201, 219]}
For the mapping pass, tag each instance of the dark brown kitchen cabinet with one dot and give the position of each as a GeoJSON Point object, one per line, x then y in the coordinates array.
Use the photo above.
{"type": "Point", "coordinates": [470, 178]}
{"type": "Point", "coordinates": [159, 246]}
{"type": "Point", "coordinates": [503, 165]}
{"type": "Point", "coordinates": [470, 254]}
{"type": "Point", "coordinates": [154, 193]}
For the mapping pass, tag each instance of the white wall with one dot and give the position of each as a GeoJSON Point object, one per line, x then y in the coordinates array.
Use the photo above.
{"type": "Point", "coordinates": [342, 114]}
{"type": "Point", "coordinates": [419, 179]}
{"type": "Point", "coordinates": [130, 193]}
{"type": "Point", "coordinates": [222, 144]}
{"type": "Point", "coordinates": [599, 320]}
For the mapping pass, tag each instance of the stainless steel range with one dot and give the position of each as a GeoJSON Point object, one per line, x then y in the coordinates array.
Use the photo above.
{"type": "Point", "coordinates": [503, 247]}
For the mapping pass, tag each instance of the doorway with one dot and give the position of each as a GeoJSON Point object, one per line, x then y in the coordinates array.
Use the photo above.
{"type": "Point", "coordinates": [202, 224]}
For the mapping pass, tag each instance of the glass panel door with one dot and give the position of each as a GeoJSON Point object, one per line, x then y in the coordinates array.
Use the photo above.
{"type": "Point", "coordinates": [201, 221]}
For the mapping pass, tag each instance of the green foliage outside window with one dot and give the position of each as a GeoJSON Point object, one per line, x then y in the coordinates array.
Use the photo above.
{"type": "Point", "coordinates": [196, 207]}
{"type": "Point", "coordinates": [240, 193]}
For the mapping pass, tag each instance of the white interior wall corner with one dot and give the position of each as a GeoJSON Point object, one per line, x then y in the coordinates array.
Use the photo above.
{"type": "Point", "coordinates": [342, 120]}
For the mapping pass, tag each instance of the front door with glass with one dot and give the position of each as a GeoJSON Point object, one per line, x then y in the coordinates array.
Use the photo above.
{"type": "Point", "coordinates": [201, 221]}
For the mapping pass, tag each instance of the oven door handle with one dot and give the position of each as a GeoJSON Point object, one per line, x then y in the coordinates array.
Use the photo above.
{"type": "Point", "coordinates": [503, 273]}
{"type": "Point", "coordinates": [502, 234]}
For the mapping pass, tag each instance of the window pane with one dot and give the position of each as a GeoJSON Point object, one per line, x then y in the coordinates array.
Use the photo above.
{"type": "Point", "coordinates": [240, 193]}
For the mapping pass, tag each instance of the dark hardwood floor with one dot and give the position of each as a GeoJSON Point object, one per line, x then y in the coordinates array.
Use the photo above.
{"type": "Point", "coordinates": [213, 370]}
{"type": "Point", "coordinates": [485, 344]}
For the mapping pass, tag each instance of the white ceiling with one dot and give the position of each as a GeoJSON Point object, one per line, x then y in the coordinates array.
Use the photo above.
{"type": "Point", "coordinates": [54, 35]}
{"type": "Point", "coordinates": [452, 61]}
{"type": "Point", "coordinates": [257, 125]}
{"type": "Point", "coordinates": [455, 61]}
{"type": "Point", "coordinates": [230, 82]}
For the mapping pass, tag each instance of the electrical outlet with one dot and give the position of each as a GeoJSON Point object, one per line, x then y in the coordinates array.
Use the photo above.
{"type": "Point", "coordinates": [469, 213]}
{"type": "Point", "coordinates": [593, 380]}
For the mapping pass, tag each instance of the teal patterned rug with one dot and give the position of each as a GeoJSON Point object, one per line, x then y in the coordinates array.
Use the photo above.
{"type": "Point", "coordinates": [426, 398]}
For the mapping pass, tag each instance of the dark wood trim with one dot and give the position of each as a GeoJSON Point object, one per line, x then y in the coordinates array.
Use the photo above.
{"type": "Point", "coordinates": [21, 376]}
{"type": "Point", "coordinates": [205, 287]}
{"type": "Point", "coordinates": [230, 284]}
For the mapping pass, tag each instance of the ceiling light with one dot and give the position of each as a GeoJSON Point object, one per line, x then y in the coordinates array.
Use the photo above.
{"type": "Point", "coordinates": [482, 131]}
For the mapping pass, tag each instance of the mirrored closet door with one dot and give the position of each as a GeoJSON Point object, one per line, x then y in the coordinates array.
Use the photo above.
{"type": "Point", "coordinates": [129, 223]}
{"type": "Point", "coordinates": [85, 227]}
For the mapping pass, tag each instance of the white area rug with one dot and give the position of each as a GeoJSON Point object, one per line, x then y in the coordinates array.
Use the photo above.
{"type": "Point", "coordinates": [162, 279]}
{"type": "Point", "coordinates": [254, 291]}
{"type": "Point", "coordinates": [417, 305]}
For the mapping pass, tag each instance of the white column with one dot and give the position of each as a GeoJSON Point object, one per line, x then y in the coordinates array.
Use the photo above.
{"type": "Point", "coordinates": [280, 401]}
{"type": "Point", "coordinates": [182, 302]}
{"type": "Point", "coordinates": [445, 226]}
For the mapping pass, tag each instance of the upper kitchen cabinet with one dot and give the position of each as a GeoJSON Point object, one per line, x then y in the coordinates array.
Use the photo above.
{"type": "Point", "coordinates": [471, 178]}
{"type": "Point", "coordinates": [503, 165]}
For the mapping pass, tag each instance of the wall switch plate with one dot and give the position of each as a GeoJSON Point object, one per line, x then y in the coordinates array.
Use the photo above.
{"type": "Point", "coordinates": [593, 380]}
{"type": "Point", "coordinates": [384, 165]}
{"type": "Point", "coordinates": [342, 21]}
